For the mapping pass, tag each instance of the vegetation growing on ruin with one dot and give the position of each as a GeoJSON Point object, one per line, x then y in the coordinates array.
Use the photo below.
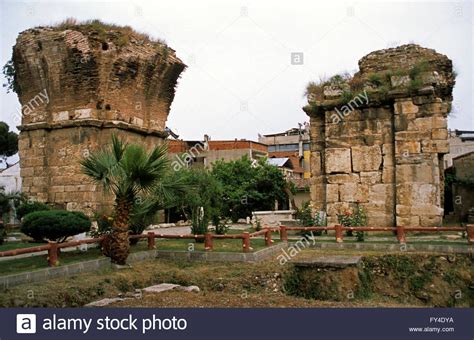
{"type": "Point", "coordinates": [9, 73]}
{"type": "Point", "coordinates": [105, 31]}
{"type": "Point", "coordinates": [379, 82]}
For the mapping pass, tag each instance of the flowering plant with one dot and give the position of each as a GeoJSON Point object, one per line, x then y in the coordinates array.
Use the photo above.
{"type": "Point", "coordinates": [354, 218]}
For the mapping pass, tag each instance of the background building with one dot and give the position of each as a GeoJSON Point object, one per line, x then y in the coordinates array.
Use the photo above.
{"type": "Point", "coordinates": [294, 144]}
{"type": "Point", "coordinates": [460, 143]}
{"type": "Point", "coordinates": [204, 153]}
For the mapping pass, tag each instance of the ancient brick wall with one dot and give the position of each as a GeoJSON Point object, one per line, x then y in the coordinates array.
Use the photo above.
{"type": "Point", "coordinates": [78, 86]}
{"type": "Point", "coordinates": [377, 139]}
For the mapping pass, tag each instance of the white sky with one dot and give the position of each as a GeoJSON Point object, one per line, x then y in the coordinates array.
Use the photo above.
{"type": "Point", "coordinates": [239, 81]}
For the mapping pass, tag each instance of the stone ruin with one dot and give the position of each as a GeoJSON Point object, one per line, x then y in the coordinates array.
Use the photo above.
{"type": "Point", "coordinates": [78, 85]}
{"type": "Point", "coordinates": [378, 138]}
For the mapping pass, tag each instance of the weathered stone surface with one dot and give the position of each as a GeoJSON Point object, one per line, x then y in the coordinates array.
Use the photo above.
{"type": "Point", "coordinates": [441, 134]}
{"type": "Point", "coordinates": [162, 287]}
{"type": "Point", "coordinates": [343, 178]}
{"type": "Point", "coordinates": [366, 158]}
{"type": "Point", "coordinates": [395, 140]}
{"type": "Point", "coordinates": [78, 86]}
{"type": "Point", "coordinates": [406, 148]}
{"type": "Point", "coordinates": [405, 107]}
{"type": "Point", "coordinates": [338, 160]}
{"type": "Point", "coordinates": [332, 192]}
{"type": "Point", "coordinates": [353, 192]}
{"type": "Point", "coordinates": [370, 177]}
{"type": "Point", "coordinates": [435, 146]}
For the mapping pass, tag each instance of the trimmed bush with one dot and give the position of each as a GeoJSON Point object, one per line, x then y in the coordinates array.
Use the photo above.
{"type": "Point", "coordinates": [2, 233]}
{"type": "Point", "coordinates": [29, 207]}
{"type": "Point", "coordinates": [55, 225]}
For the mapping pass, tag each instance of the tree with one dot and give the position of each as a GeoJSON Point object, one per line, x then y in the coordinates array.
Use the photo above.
{"type": "Point", "coordinates": [202, 202]}
{"type": "Point", "coordinates": [249, 186]}
{"type": "Point", "coordinates": [128, 171]}
{"type": "Point", "coordinates": [8, 143]}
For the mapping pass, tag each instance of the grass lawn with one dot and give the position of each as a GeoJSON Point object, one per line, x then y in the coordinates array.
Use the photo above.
{"type": "Point", "coordinates": [229, 245]}
{"type": "Point", "coordinates": [17, 245]}
{"type": "Point", "coordinates": [30, 263]}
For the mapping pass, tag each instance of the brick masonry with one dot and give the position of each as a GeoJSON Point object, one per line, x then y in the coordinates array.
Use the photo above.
{"type": "Point", "coordinates": [77, 87]}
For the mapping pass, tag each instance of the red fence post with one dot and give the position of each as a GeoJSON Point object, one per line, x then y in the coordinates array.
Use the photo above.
{"type": "Point", "coordinates": [338, 233]}
{"type": "Point", "coordinates": [53, 254]}
{"type": "Point", "coordinates": [208, 241]}
{"type": "Point", "coordinates": [268, 238]}
{"type": "Point", "coordinates": [401, 234]}
{"type": "Point", "coordinates": [283, 233]}
{"type": "Point", "coordinates": [470, 233]}
{"type": "Point", "coordinates": [246, 242]}
{"type": "Point", "coordinates": [151, 240]}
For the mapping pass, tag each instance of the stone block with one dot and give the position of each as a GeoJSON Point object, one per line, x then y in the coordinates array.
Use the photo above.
{"type": "Point", "coordinates": [406, 148]}
{"type": "Point", "coordinates": [60, 116]}
{"type": "Point", "coordinates": [333, 209]}
{"type": "Point", "coordinates": [353, 192]}
{"type": "Point", "coordinates": [417, 194]}
{"type": "Point", "coordinates": [439, 122]}
{"type": "Point", "coordinates": [316, 168]}
{"type": "Point", "coordinates": [332, 193]}
{"type": "Point", "coordinates": [441, 134]}
{"type": "Point", "coordinates": [380, 220]}
{"type": "Point", "coordinates": [431, 221]}
{"type": "Point", "coordinates": [366, 158]}
{"type": "Point", "coordinates": [388, 174]}
{"type": "Point", "coordinates": [388, 161]}
{"type": "Point", "coordinates": [421, 124]}
{"type": "Point", "coordinates": [343, 178]}
{"type": "Point", "coordinates": [56, 188]}
{"type": "Point", "coordinates": [387, 149]}
{"type": "Point", "coordinates": [82, 113]}
{"type": "Point", "coordinates": [405, 107]}
{"type": "Point", "coordinates": [370, 177]}
{"type": "Point", "coordinates": [407, 173]}
{"type": "Point", "coordinates": [435, 146]}
{"type": "Point", "coordinates": [411, 221]}
{"type": "Point", "coordinates": [380, 193]}
{"type": "Point", "coordinates": [338, 160]}
{"type": "Point", "coordinates": [427, 210]}
{"type": "Point", "coordinates": [413, 135]}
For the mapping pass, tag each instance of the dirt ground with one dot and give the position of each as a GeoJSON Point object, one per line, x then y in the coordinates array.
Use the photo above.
{"type": "Point", "coordinates": [261, 284]}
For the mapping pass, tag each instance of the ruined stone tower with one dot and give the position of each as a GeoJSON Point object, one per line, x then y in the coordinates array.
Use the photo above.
{"type": "Point", "coordinates": [378, 138]}
{"type": "Point", "coordinates": [78, 85]}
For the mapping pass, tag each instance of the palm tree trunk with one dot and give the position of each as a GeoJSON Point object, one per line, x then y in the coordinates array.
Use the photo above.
{"type": "Point", "coordinates": [119, 243]}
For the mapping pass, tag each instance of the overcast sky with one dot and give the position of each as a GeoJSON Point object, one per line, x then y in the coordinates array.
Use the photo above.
{"type": "Point", "coordinates": [239, 81]}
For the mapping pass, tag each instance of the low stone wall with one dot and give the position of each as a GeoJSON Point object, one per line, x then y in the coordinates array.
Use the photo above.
{"type": "Point", "coordinates": [104, 263]}
{"type": "Point", "coordinates": [272, 218]}
{"type": "Point", "coordinates": [435, 248]}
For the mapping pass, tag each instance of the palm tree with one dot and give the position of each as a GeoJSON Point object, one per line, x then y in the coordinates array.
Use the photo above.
{"type": "Point", "coordinates": [130, 173]}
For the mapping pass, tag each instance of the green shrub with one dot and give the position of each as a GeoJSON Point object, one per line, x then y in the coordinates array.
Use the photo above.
{"type": "Point", "coordinates": [376, 79]}
{"type": "Point", "coordinates": [55, 225]}
{"type": "Point", "coordinates": [2, 233]}
{"type": "Point", "coordinates": [29, 207]}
